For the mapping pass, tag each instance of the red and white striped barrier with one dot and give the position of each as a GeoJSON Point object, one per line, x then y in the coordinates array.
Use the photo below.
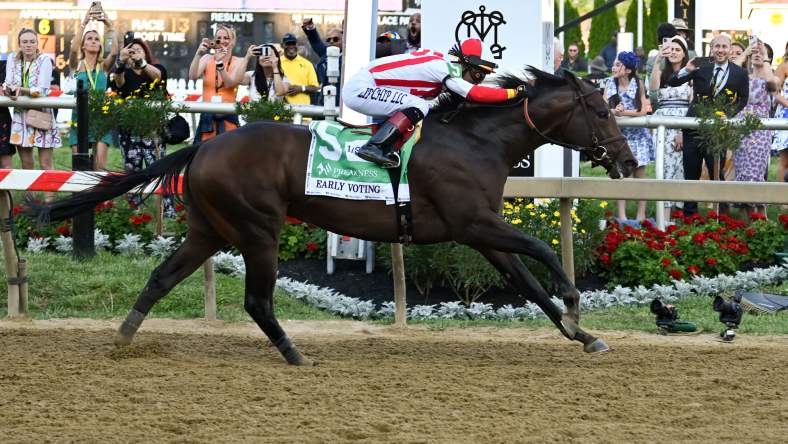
{"type": "Point", "coordinates": [58, 181]}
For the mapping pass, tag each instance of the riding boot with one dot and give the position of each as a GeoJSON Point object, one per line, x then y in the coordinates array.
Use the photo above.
{"type": "Point", "coordinates": [380, 147]}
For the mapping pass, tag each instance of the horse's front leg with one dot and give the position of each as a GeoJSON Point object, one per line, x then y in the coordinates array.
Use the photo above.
{"type": "Point", "coordinates": [492, 232]}
{"type": "Point", "coordinates": [526, 284]}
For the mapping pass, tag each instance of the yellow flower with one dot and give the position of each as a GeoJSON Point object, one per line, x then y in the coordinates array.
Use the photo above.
{"type": "Point", "coordinates": [532, 213]}
{"type": "Point", "coordinates": [276, 117]}
{"type": "Point", "coordinates": [557, 213]}
{"type": "Point", "coordinates": [530, 206]}
{"type": "Point", "coordinates": [583, 231]}
{"type": "Point", "coordinates": [105, 108]}
{"type": "Point", "coordinates": [553, 222]}
{"type": "Point", "coordinates": [518, 199]}
{"type": "Point", "coordinates": [507, 205]}
{"type": "Point", "coordinates": [516, 221]}
{"type": "Point", "coordinates": [719, 114]}
{"type": "Point", "coordinates": [542, 215]}
{"type": "Point", "coordinates": [555, 242]}
{"type": "Point", "coordinates": [118, 101]}
{"type": "Point", "coordinates": [603, 204]}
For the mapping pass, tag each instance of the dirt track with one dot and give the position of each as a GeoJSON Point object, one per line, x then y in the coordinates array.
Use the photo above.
{"type": "Point", "coordinates": [194, 381]}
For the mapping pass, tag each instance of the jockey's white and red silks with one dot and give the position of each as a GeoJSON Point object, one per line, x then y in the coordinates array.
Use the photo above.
{"type": "Point", "coordinates": [391, 84]}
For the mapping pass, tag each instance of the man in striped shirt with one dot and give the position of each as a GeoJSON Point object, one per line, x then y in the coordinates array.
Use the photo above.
{"type": "Point", "coordinates": [398, 87]}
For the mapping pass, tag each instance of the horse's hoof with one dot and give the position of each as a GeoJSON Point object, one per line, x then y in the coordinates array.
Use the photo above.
{"type": "Point", "coordinates": [303, 362]}
{"type": "Point", "coordinates": [122, 340]}
{"type": "Point", "coordinates": [597, 346]}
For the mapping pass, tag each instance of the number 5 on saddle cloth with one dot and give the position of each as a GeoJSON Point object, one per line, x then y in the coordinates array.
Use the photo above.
{"type": "Point", "coordinates": [334, 170]}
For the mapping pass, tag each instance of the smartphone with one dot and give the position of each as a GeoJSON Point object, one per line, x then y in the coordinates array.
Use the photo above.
{"type": "Point", "coordinates": [128, 38]}
{"type": "Point", "coordinates": [266, 51]}
{"type": "Point", "coordinates": [96, 10]}
{"type": "Point", "coordinates": [665, 40]}
{"type": "Point", "coordinates": [753, 40]}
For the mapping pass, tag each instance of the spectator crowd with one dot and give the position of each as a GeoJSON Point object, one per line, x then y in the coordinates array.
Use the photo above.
{"type": "Point", "coordinates": [674, 81]}
{"type": "Point", "coordinates": [671, 81]}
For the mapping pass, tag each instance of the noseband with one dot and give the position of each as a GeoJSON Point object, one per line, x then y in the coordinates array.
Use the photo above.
{"type": "Point", "coordinates": [598, 151]}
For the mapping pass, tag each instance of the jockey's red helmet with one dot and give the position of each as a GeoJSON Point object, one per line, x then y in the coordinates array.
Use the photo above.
{"type": "Point", "coordinates": [469, 52]}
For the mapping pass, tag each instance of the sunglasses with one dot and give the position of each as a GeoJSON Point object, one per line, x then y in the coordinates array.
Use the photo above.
{"type": "Point", "coordinates": [332, 40]}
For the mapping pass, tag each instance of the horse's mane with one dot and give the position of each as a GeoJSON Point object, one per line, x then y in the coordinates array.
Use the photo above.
{"type": "Point", "coordinates": [534, 79]}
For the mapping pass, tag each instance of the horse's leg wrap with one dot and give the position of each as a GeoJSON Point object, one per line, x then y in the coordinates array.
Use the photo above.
{"type": "Point", "coordinates": [129, 327]}
{"type": "Point", "coordinates": [290, 352]}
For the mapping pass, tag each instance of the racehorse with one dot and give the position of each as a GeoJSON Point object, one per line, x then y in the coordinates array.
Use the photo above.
{"type": "Point", "coordinates": [240, 186]}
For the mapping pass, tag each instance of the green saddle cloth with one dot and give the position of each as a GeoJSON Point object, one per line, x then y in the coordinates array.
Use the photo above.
{"type": "Point", "coordinates": [334, 170]}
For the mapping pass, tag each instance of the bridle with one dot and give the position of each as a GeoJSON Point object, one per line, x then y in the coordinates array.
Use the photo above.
{"type": "Point", "coordinates": [598, 152]}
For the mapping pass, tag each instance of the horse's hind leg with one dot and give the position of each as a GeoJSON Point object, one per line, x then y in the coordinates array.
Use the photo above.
{"type": "Point", "coordinates": [261, 264]}
{"type": "Point", "coordinates": [194, 250]}
{"type": "Point", "coordinates": [529, 287]}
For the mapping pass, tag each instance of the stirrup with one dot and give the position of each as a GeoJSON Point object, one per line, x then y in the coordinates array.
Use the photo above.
{"type": "Point", "coordinates": [394, 160]}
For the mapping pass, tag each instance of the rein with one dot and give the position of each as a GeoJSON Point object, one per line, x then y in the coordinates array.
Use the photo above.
{"type": "Point", "coordinates": [598, 151]}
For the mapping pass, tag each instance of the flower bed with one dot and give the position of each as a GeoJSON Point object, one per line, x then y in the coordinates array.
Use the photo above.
{"type": "Point", "coordinates": [696, 246]}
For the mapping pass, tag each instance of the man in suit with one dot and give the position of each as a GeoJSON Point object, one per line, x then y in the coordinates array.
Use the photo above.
{"type": "Point", "coordinates": [709, 80]}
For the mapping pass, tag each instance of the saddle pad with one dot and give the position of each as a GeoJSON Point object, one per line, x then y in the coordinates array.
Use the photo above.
{"type": "Point", "coordinates": [334, 170]}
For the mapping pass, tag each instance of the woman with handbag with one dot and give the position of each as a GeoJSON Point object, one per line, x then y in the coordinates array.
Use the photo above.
{"type": "Point", "coordinates": [29, 73]}
{"type": "Point", "coordinates": [88, 64]}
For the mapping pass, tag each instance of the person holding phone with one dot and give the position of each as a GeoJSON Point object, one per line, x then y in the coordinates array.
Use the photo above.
{"type": "Point", "coordinates": [672, 101]}
{"type": "Point", "coordinates": [88, 64]}
{"type": "Point", "coordinates": [780, 143]}
{"type": "Point", "coordinates": [220, 73]}
{"type": "Point", "coordinates": [29, 73]}
{"type": "Point", "coordinates": [265, 81]}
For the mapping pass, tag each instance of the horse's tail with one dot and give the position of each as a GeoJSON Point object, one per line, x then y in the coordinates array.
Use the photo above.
{"type": "Point", "coordinates": [163, 172]}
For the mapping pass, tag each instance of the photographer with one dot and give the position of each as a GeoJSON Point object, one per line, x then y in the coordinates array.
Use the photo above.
{"type": "Point", "coordinates": [266, 81]}
{"type": "Point", "coordinates": [221, 72]}
{"type": "Point", "coordinates": [88, 63]}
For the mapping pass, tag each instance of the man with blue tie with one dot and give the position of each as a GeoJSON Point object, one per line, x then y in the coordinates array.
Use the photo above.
{"type": "Point", "coordinates": [707, 82]}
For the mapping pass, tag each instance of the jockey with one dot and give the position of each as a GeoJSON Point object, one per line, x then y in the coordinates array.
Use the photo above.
{"type": "Point", "coordinates": [398, 88]}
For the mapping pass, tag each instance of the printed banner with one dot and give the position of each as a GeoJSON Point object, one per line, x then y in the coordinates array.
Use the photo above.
{"type": "Point", "coordinates": [334, 169]}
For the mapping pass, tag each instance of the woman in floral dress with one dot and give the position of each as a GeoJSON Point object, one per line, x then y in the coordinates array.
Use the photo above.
{"type": "Point", "coordinates": [29, 73]}
{"type": "Point", "coordinates": [672, 101]}
{"type": "Point", "coordinates": [626, 96]}
{"type": "Point", "coordinates": [780, 143]}
{"type": "Point", "coordinates": [751, 159]}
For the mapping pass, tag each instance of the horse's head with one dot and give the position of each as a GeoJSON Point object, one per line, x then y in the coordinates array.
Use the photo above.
{"type": "Point", "coordinates": [571, 112]}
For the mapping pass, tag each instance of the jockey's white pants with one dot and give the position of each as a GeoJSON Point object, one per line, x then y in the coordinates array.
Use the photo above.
{"type": "Point", "coordinates": [362, 95]}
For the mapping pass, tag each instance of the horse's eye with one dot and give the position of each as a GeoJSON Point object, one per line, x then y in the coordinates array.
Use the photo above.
{"type": "Point", "coordinates": [603, 114]}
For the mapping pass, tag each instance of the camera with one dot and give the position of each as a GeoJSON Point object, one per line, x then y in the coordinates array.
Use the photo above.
{"type": "Point", "coordinates": [731, 313]}
{"type": "Point", "coordinates": [668, 318]}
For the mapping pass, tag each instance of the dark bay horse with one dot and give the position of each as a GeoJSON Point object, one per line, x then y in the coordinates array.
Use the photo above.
{"type": "Point", "coordinates": [240, 186]}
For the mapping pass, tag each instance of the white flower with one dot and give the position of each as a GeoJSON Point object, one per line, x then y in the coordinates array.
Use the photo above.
{"type": "Point", "coordinates": [37, 244]}
{"type": "Point", "coordinates": [161, 246]}
{"type": "Point", "coordinates": [130, 244]}
{"type": "Point", "coordinates": [101, 240]}
{"type": "Point", "coordinates": [63, 244]}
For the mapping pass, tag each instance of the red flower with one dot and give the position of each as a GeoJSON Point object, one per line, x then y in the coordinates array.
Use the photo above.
{"type": "Point", "coordinates": [605, 259]}
{"type": "Point", "coordinates": [712, 214]}
{"type": "Point", "coordinates": [312, 246]}
{"type": "Point", "coordinates": [694, 269]}
{"type": "Point", "coordinates": [654, 245]}
{"type": "Point", "coordinates": [292, 220]}
{"type": "Point", "coordinates": [715, 237]}
{"type": "Point", "coordinates": [757, 216]}
{"type": "Point", "coordinates": [179, 208]}
{"type": "Point", "coordinates": [676, 252]}
{"type": "Point", "coordinates": [750, 232]}
{"type": "Point", "coordinates": [18, 210]}
{"type": "Point", "coordinates": [608, 214]}
{"type": "Point", "coordinates": [699, 238]}
{"type": "Point", "coordinates": [675, 274]}
{"type": "Point", "coordinates": [146, 217]}
{"type": "Point", "coordinates": [135, 220]}
{"type": "Point", "coordinates": [711, 261]}
{"type": "Point", "coordinates": [682, 233]}
{"type": "Point", "coordinates": [666, 262]}
{"type": "Point", "coordinates": [677, 214]}
{"type": "Point", "coordinates": [670, 229]}
{"type": "Point", "coordinates": [63, 230]}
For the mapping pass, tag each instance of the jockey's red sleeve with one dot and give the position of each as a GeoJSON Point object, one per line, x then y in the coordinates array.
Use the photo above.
{"type": "Point", "coordinates": [486, 94]}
